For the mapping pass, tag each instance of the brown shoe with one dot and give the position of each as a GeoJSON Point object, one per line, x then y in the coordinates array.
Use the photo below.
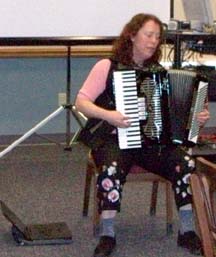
{"type": "Point", "coordinates": [105, 246]}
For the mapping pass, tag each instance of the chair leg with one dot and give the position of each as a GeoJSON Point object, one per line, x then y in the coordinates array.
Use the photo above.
{"type": "Point", "coordinates": [169, 208]}
{"type": "Point", "coordinates": [202, 216]}
{"type": "Point", "coordinates": [89, 174]}
{"type": "Point", "coordinates": [154, 198]}
{"type": "Point", "coordinates": [96, 215]}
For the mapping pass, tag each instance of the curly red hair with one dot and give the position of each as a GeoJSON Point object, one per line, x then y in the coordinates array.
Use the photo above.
{"type": "Point", "coordinates": [123, 46]}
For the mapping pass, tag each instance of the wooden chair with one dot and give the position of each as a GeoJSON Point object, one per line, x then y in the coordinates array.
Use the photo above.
{"type": "Point", "coordinates": [136, 175]}
{"type": "Point", "coordinates": [203, 184]}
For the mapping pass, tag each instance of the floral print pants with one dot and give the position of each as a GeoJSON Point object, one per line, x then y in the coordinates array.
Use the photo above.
{"type": "Point", "coordinates": [170, 162]}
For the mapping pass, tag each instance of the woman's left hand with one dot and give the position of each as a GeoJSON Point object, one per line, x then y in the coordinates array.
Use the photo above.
{"type": "Point", "coordinates": [203, 116]}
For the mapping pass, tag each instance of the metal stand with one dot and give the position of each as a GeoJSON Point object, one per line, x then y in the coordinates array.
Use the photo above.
{"type": "Point", "coordinates": [68, 100]}
{"type": "Point", "coordinates": [81, 120]}
{"type": "Point", "coordinates": [33, 130]}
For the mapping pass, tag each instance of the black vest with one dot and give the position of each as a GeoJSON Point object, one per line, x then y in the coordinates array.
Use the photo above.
{"type": "Point", "coordinates": [107, 99]}
{"type": "Point", "coordinates": [97, 131]}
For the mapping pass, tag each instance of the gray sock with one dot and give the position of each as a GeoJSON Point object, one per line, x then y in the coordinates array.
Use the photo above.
{"type": "Point", "coordinates": [186, 221]}
{"type": "Point", "coordinates": [107, 227]}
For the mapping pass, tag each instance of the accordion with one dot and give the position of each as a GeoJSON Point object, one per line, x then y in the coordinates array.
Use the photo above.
{"type": "Point", "coordinates": [161, 106]}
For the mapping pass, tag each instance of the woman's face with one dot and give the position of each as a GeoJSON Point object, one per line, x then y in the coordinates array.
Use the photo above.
{"type": "Point", "coordinates": [145, 41]}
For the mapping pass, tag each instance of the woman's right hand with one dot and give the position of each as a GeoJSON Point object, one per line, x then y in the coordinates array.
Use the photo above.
{"type": "Point", "coordinates": [113, 117]}
{"type": "Point", "coordinates": [117, 119]}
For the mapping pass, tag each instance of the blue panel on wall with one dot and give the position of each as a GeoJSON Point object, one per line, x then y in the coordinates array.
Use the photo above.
{"type": "Point", "coordinates": [29, 92]}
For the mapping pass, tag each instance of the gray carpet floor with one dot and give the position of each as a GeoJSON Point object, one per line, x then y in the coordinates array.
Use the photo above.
{"type": "Point", "coordinates": [45, 183]}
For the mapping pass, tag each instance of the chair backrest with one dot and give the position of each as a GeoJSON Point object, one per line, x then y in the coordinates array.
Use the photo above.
{"type": "Point", "coordinates": [201, 183]}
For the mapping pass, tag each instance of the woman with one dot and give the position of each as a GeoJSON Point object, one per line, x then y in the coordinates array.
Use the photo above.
{"type": "Point", "coordinates": [138, 47]}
